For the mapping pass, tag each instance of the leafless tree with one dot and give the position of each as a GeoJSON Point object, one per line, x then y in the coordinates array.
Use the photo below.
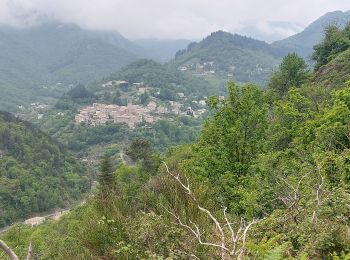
{"type": "Point", "coordinates": [232, 242]}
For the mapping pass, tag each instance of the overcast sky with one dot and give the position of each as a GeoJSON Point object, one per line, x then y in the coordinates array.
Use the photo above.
{"type": "Point", "coordinates": [173, 19]}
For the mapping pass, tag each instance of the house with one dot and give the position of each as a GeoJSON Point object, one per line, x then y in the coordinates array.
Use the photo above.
{"type": "Point", "coordinates": [102, 114]}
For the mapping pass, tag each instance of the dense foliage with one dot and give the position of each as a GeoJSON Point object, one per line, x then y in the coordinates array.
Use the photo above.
{"type": "Point", "coordinates": [164, 77]}
{"type": "Point", "coordinates": [247, 59]}
{"type": "Point", "coordinates": [268, 178]}
{"type": "Point", "coordinates": [292, 72]}
{"type": "Point", "coordinates": [336, 41]}
{"type": "Point", "coordinates": [36, 173]}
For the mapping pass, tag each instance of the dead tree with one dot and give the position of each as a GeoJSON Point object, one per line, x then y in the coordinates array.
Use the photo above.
{"type": "Point", "coordinates": [232, 242]}
{"type": "Point", "coordinates": [8, 251]}
{"type": "Point", "coordinates": [293, 192]}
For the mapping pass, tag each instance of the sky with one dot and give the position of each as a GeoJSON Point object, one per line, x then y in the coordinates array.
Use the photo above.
{"type": "Point", "coordinates": [175, 19]}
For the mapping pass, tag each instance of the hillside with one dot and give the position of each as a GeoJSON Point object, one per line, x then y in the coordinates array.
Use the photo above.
{"type": "Point", "coordinates": [229, 56]}
{"type": "Point", "coordinates": [36, 173]}
{"type": "Point", "coordinates": [164, 76]}
{"type": "Point", "coordinates": [34, 59]}
{"type": "Point", "coordinates": [267, 178]}
{"type": "Point", "coordinates": [303, 42]}
{"type": "Point", "coordinates": [336, 72]}
{"type": "Point", "coordinates": [155, 91]}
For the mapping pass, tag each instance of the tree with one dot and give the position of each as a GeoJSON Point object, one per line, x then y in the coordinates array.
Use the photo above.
{"type": "Point", "coordinates": [106, 176]}
{"type": "Point", "coordinates": [144, 98]}
{"type": "Point", "coordinates": [140, 150]}
{"type": "Point", "coordinates": [232, 140]}
{"type": "Point", "coordinates": [335, 41]}
{"type": "Point", "coordinates": [231, 243]}
{"type": "Point", "coordinates": [80, 92]}
{"type": "Point", "coordinates": [292, 72]}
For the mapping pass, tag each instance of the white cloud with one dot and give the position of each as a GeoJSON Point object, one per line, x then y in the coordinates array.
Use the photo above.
{"type": "Point", "coordinates": [190, 19]}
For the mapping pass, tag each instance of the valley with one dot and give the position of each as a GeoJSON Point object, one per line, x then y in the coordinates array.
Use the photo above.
{"type": "Point", "coordinates": [223, 148]}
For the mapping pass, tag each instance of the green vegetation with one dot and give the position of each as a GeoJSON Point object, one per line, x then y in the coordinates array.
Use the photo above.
{"type": "Point", "coordinates": [332, 57]}
{"type": "Point", "coordinates": [267, 178]}
{"type": "Point", "coordinates": [162, 82]}
{"type": "Point", "coordinates": [291, 73]}
{"type": "Point", "coordinates": [246, 59]}
{"type": "Point", "coordinates": [336, 41]}
{"type": "Point", "coordinates": [164, 77]}
{"type": "Point", "coordinates": [36, 173]}
{"type": "Point", "coordinates": [34, 59]}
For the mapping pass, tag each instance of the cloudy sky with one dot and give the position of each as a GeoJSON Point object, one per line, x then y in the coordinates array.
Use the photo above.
{"type": "Point", "coordinates": [171, 19]}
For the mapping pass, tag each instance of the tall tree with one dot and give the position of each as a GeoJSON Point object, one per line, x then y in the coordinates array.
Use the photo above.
{"type": "Point", "coordinates": [292, 72]}
{"type": "Point", "coordinates": [106, 176]}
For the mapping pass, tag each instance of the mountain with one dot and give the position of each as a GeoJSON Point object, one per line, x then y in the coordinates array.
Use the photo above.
{"type": "Point", "coordinates": [36, 173]}
{"type": "Point", "coordinates": [163, 76]}
{"type": "Point", "coordinates": [230, 56]}
{"type": "Point", "coordinates": [34, 58]}
{"type": "Point", "coordinates": [303, 42]}
{"type": "Point", "coordinates": [273, 30]}
{"type": "Point", "coordinates": [162, 50]}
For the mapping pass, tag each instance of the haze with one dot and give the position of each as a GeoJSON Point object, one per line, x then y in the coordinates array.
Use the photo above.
{"type": "Point", "coordinates": [163, 19]}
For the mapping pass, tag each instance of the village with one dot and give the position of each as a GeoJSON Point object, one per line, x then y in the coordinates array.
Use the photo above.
{"type": "Point", "coordinates": [102, 114]}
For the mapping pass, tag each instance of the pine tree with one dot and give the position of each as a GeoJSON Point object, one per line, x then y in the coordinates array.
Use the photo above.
{"type": "Point", "coordinates": [106, 176]}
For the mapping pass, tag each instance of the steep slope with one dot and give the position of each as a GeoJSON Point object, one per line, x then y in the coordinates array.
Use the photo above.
{"type": "Point", "coordinates": [163, 76]}
{"type": "Point", "coordinates": [31, 59]}
{"type": "Point", "coordinates": [336, 72]}
{"type": "Point", "coordinates": [303, 42]}
{"type": "Point", "coordinates": [230, 56]}
{"type": "Point", "coordinates": [36, 174]}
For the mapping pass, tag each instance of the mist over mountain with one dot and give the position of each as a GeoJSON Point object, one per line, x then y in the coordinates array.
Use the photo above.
{"type": "Point", "coordinates": [303, 42]}
{"type": "Point", "coordinates": [46, 59]}
{"type": "Point", "coordinates": [162, 50]}
{"type": "Point", "coordinates": [33, 58]}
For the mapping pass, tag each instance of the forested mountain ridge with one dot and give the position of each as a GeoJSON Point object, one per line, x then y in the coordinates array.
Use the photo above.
{"type": "Point", "coordinates": [36, 173]}
{"type": "Point", "coordinates": [303, 42]}
{"type": "Point", "coordinates": [268, 178]}
{"type": "Point", "coordinates": [40, 63]}
{"type": "Point", "coordinates": [34, 59]}
{"type": "Point", "coordinates": [231, 56]}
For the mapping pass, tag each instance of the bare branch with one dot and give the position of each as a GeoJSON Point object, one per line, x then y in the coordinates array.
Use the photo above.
{"type": "Point", "coordinates": [318, 191]}
{"type": "Point", "coordinates": [8, 251]}
{"type": "Point", "coordinates": [238, 239]}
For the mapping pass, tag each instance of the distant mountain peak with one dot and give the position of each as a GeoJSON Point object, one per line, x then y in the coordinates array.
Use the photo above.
{"type": "Point", "coordinates": [303, 42]}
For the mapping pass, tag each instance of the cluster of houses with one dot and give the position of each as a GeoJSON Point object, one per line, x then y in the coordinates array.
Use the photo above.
{"type": "Point", "coordinates": [101, 114]}
{"type": "Point", "coordinates": [200, 68]}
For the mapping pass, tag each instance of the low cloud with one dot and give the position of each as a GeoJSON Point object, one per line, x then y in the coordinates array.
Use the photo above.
{"type": "Point", "coordinates": [190, 19]}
